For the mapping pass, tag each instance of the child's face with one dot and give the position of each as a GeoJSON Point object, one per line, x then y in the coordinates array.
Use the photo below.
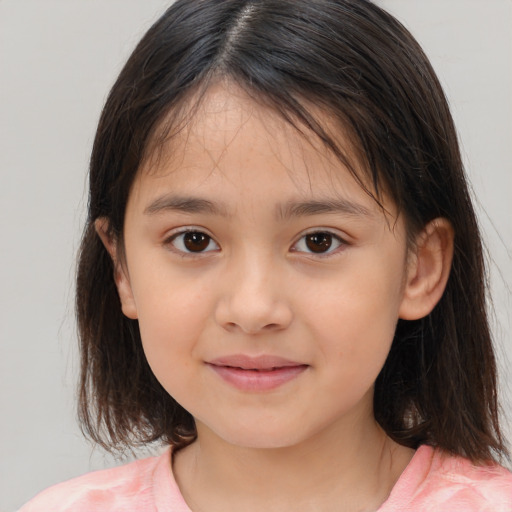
{"type": "Point", "coordinates": [248, 248]}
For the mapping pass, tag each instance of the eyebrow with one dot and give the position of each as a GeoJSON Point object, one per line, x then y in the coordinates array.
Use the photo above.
{"type": "Point", "coordinates": [284, 211]}
{"type": "Point", "coordinates": [185, 205]}
{"type": "Point", "coordinates": [317, 207]}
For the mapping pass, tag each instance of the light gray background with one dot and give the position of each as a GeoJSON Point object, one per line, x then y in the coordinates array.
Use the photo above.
{"type": "Point", "coordinates": [58, 60]}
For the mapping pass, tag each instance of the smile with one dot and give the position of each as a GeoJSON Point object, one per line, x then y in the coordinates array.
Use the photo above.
{"type": "Point", "coordinates": [256, 374]}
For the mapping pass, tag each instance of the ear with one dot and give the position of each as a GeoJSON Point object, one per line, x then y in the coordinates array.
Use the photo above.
{"type": "Point", "coordinates": [121, 276]}
{"type": "Point", "coordinates": [428, 269]}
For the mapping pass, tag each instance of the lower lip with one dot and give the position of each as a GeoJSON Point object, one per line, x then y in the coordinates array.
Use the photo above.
{"type": "Point", "coordinates": [258, 380]}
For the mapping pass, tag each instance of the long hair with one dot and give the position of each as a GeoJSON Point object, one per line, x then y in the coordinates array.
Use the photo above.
{"type": "Point", "coordinates": [360, 66]}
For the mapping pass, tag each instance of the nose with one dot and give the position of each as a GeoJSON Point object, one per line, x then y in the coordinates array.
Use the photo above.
{"type": "Point", "coordinates": [253, 298]}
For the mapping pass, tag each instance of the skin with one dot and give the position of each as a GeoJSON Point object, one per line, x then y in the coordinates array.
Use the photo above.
{"type": "Point", "coordinates": [256, 288]}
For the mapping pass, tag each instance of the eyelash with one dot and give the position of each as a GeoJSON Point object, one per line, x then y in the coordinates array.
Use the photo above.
{"type": "Point", "coordinates": [332, 239]}
{"type": "Point", "coordinates": [183, 249]}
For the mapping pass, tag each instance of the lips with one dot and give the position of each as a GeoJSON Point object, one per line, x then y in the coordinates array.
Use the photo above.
{"type": "Point", "coordinates": [261, 373]}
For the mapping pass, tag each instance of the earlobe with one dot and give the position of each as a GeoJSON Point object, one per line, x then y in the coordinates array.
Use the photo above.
{"type": "Point", "coordinates": [428, 270]}
{"type": "Point", "coordinates": [121, 277]}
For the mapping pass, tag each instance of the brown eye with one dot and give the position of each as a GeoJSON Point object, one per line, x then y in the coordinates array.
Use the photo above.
{"type": "Point", "coordinates": [193, 241]}
{"type": "Point", "coordinates": [318, 242]}
{"type": "Point", "coordinates": [196, 242]}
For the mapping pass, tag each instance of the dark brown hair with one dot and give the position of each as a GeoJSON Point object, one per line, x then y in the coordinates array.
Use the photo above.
{"type": "Point", "coordinates": [359, 64]}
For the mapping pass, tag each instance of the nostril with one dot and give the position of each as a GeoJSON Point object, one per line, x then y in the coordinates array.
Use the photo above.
{"type": "Point", "coordinates": [252, 315]}
{"type": "Point", "coordinates": [230, 326]}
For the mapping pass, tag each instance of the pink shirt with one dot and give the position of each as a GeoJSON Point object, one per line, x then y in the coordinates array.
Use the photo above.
{"type": "Point", "coordinates": [432, 482]}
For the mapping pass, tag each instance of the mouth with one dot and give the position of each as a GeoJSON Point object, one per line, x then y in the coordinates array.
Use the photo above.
{"type": "Point", "coordinates": [256, 374]}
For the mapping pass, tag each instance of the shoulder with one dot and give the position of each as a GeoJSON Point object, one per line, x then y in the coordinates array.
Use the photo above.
{"type": "Point", "coordinates": [127, 487]}
{"type": "Point", "coordinates": [440, 481]}
{"type": "Point", "coordinates": [468, 484]}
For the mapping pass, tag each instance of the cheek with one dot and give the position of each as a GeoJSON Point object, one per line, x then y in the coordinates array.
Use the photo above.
{"type": "Point", "coordinates": [356, 316]}
{"type": "Point", "coordinates": [169, 332]}
{"type": "Point", "coordinates": [171, 319]}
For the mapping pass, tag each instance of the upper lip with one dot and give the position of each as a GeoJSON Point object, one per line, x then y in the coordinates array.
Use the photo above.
{"type": "Point", "coordinates": [246, 362]}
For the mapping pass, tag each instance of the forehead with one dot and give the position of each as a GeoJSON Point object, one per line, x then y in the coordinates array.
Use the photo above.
{"type": "Point", "coordinates": [228, 139]}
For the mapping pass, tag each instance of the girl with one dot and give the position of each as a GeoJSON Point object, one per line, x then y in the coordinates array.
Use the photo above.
{"type": "Point", "coordinates": [281, 277]}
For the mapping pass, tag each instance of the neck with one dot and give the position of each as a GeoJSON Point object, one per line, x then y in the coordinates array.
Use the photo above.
{"type": "Point", "coordinates": [343, 469]}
